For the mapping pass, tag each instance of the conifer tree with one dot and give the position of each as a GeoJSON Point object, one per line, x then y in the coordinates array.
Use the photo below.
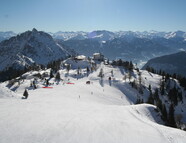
{"type": "Point", "coordinates": [68, 68]}
{"type": "Point", "coordinates": [78, 70]}
{"type": "Point", "coordinates": [180, 97]}
{"type": "Point", "coordinates": [164, 112]}
{"type": "Point", "coordinates": [150, 88]}
{"type": "Point", "coordinates": [159, 104]}
{"type": "Point", "coordinates": [138, 101]}
{"type": "Point", "coordinates": [131, 66]}
{"type": "Point", "coordinates": [171, 118]}
{"type": "Point", "coordinates": [88, 70]}
{"type": "Point", "coordinates": [162, 88]}
{"type": "Point", "coordinates": [25, 94]}
{"type": "Point", "coordinates": [51, 73]}
{"type": "Point", "coordinates": [34, 84]}
{"type": "Point", "coordinates": [58, 76]}
{"type": "Point", "coordinates": [150, 99]}
{"type": "Point", "coordinates": [112, 73]}
{"type": "Point", "coordinates": [173, 95]}
{"type": "Point", "coordinates": [140, 83]}
{"type": "Point", "coordinates": [129, 76]}
{"type": "Point", "coordinates": [156, 95]}
{"type": "Point", "coordinates": [47, 82]}
{"type": "Point", "coordinates": [101, 73]}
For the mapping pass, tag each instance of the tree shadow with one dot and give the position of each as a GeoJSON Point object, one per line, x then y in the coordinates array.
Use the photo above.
{"type": "Point", "coordinates": [101, 82]}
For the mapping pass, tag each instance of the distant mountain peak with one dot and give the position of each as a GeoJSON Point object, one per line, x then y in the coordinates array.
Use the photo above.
{"type": "Point", "coordinates": [34, 30]}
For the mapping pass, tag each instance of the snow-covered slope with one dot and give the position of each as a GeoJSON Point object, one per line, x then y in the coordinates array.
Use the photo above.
{"type": "Point", "coordinates": [176, 34]}
{"type": "Point", "coordinates": [69, 35]}
{"type": "Point", "coordinates": [28, 48]}
{"type": "Point", "coordinates": [75, 112]}
{"type": "Point", "coordinates": [101, 35]}
{"type": "Point", "coordinates": [6, 92]}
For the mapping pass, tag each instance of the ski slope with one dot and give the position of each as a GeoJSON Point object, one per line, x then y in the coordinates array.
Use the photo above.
{"type": "Point", "coordinates": [82, 113]}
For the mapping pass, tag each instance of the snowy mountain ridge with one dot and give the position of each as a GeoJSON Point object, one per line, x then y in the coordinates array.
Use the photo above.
{"type": "Point", "coordinates": [105, 35]}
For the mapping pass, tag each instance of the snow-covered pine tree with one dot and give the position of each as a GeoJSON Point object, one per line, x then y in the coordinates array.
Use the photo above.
{"type": "Point", "coordinates": [51, 73]}
{"type": "Point", "coordinates": [58, 76]}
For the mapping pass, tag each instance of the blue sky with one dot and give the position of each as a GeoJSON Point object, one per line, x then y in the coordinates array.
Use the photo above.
{"type": "Point", "coordinates": [89, 15]}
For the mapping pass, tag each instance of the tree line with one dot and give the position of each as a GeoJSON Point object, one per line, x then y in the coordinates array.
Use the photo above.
{"type": "Point", "coordinates": [13, 72]}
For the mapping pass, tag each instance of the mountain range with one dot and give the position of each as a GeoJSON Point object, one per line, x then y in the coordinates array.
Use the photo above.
{"type": "Point", "coordinates": [105, 35]}
{"type": "Point", "coordinates": [138, 47]}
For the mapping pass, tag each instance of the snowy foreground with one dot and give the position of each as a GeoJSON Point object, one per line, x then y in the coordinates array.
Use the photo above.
{"type": "Point", "coordinates": [81, 113]}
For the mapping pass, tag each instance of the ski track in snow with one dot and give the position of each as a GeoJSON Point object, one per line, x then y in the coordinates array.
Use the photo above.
{"type": "Point", "coordinates": [147, 123]}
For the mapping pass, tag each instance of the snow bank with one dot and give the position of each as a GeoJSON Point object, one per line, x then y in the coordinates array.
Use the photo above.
{"type": "Point", "coordinates": [6, 93]}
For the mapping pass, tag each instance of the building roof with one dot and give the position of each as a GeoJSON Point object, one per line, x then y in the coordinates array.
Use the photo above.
{"type": "Point", "coordinates": [96, 54]}
{"type": "Point", "coordinates": [80, 57]}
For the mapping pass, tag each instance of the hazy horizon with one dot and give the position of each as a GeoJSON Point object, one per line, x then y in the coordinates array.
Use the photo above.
{"type": "Point", "coordinates": [91, 31]}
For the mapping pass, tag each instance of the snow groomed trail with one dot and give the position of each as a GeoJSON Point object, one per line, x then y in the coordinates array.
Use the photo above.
{"type": "Point", "coordinates": [81, 113]}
